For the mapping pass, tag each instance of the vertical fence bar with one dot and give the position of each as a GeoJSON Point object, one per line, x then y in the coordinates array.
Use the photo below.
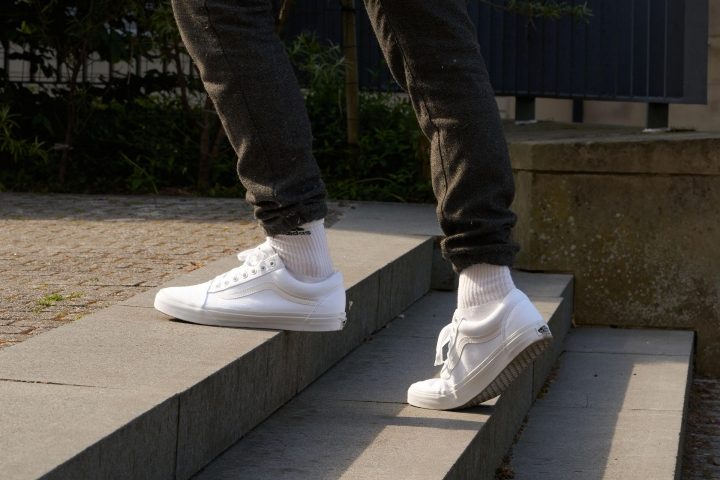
{"type": "Point", "coordinates": [657, 116]}
{"type": "Point", "coordinates": [524, 109]}
{"type": "Point", "coordinates": [578, 111]}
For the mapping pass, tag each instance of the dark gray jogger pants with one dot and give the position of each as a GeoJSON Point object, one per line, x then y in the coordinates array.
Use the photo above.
{"type": "Point", "coordinates": [432, 51]}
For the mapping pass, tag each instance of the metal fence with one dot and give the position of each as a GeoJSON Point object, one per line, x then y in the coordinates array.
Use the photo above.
{"type": "Point", "coordinates": [652, 51]}
{"type": "Point", "coordinates": [94, 71]}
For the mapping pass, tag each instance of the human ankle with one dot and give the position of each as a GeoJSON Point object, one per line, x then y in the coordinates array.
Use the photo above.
{"type": "Point", "coordinates": [483, 283]}
{"type": "Point", "coordinates": [304, 251]}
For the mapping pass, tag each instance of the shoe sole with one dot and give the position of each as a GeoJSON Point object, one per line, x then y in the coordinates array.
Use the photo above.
{"type": "Point", "coordinates": [510, 373]}
{"type": "Point", "coordinates": [264, 320]}
{"type": "Point", "coordinates": [540, 339]}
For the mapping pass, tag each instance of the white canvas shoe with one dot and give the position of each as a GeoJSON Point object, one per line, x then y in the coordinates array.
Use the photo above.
{"type": "Point", "coordinates": [488, 347]}
{"type": "Point", "coordinates": [260, 293]}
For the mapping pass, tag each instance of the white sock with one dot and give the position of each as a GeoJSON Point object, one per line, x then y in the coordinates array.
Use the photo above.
{"type": "Point", "coordinates": [304, 251]}
{"type": "Point", "coordinates": [483, 283]}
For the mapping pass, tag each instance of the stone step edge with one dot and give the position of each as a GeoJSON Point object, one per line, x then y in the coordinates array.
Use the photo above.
{"type": "Point", "coordinates": [650, 373]}
{"type": "Point", "coordinates": [479, 458]}
{"type": "Point", "coordinates": [199, 414]}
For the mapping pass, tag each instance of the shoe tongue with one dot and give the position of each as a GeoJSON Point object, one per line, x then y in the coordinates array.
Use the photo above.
{"type": "Point", "coordinates": [266, 249]}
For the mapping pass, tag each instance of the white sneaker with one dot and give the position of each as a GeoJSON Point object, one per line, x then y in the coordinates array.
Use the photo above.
{"type": "Point", "coordinates": [260, 293]}
{"type": "Point", "coordinates": [488, 347]}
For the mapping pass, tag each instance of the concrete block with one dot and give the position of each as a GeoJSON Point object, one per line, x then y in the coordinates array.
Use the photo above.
{"type": "Point", "coordinates": [559, 318]}
{"type": "Point", "coordinates": [425, 318]}
{"type": "Point", "coordinates": [550, 285]}
{"type": "Point", "coordinates": [60, 431]}
{"type": "Point", "coordinates": [623, 340]}
{"type": "Point", "coordinates": [389, 218]}
{"type": "Point", "coordinates": [403, 282]}
{"type": "Point", "coordinates": [610, 149]}
{"type": "Point", "coordinates": [481, 457]}
{"type": "Point", "coordinates": [380, 371]}
{"type": "Point", "coordinates": [620, 381]}
{"type": "Point", "coordinates": [567, 444]}
{"type": "Point", "coordinates": [314, 354]}
{"type": "Point", "coordinates": [227, 404]}
{"type": "Point", "coordinates": [628, 220]}
{"type": "Point", "coordinates": [353, 422]}
{"type": "Point", "coordinates": [129, 347]}
{"type": "Point", "coordinates": [349, 440]}
{"type": "Point", "coordinates": [610, 414]}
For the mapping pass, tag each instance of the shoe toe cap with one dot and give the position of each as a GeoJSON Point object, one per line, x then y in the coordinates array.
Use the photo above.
{"type": "Point", "coordinates": [194, 295]}
{"type": "Point", "coordinates": [432, 387]}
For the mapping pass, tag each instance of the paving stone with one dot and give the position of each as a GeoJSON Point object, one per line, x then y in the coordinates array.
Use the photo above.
{"type": "Point", "coordinates": [107, 248]}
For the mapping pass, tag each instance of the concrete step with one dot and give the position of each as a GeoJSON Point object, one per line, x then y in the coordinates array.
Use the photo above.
{"type": "Point", "coordinates": [127, 393]}
{"type": "Point", "coordinates": [614, 409]}
{"type": "Point", "coordinates": [354, 422]}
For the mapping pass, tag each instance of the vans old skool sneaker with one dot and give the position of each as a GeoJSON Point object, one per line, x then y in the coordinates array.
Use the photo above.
{"type": "Point", "coordinates": [260, 293]}
{"type": "Point", "coordinates": [488, 346]}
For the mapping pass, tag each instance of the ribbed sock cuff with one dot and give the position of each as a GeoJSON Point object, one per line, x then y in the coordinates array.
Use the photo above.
{"type": "Point", "coordinates": [304, 251]}
{"type": "Point", "coordinates": [483, 283]}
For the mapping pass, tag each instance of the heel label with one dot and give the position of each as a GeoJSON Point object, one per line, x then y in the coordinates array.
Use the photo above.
{"type": "Point", "coordinates": [544, 330]}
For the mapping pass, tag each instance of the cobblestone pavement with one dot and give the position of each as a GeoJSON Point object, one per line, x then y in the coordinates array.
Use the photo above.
{"type": "Point", "coordinates": [701, 458]}
{"type": "Point", "coordinates": [64, 256]}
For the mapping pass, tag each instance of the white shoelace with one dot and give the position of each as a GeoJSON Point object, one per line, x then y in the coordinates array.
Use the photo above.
{"type": "Point", "coordinates": [447, 337]}
{"type": "Point", "coordinates": [249, 260]}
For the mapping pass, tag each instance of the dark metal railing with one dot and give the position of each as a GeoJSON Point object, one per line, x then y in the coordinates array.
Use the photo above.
{"type": "Point", "coordinates": [651, 51]}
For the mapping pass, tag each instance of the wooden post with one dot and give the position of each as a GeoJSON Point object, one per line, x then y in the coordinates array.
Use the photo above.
{"type": "Point", "coordinates": [283, 15]}
{"type": "Point", "coordinates": [352, 92]}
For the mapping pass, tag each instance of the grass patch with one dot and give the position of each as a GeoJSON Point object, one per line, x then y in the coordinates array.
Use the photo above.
{"type": "Point", "coordinates": [53, 298]}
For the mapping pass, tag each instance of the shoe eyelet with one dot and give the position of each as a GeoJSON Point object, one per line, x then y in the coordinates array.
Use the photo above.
{"type": "Point", "coordinates": [254, 271]}
{"type": "Point", "coordinates": [244, 275]}
{"type": "Point", "coordinates": [272, 264]}
{"type": "Point", "coordinates": [235, 279]}
{"type": "Point", "coordinates": [262, 267]}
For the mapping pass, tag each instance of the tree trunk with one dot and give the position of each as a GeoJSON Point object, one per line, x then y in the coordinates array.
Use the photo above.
{"type": "Point", "coordinates": [352, 93]}
{"type": "Point", "coordinates": [70, 121]}
{"type": "Point", "coordinates": [282, 15]}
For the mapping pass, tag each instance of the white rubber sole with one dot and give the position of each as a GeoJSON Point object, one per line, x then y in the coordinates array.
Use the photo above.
{"type": "Point", "coordinates": [494, 375]}
{"type": "Point", "coordinates": [263, 320]}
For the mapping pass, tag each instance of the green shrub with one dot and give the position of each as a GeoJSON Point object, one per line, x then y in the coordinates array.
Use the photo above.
{"type": "Point", "coordinates": [130, 141]}
{"type": "Point", "coordinates": [390, 161]}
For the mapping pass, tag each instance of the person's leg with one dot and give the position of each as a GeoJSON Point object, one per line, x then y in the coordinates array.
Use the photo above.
{"type": "Point", "coordinates": [289, 281]}
{"type": "Point", "coordinates": [432, 51]}
{"type": "Point", "coordinates": [246, 71]}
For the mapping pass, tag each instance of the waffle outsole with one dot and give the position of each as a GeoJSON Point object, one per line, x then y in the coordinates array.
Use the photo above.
{"type": "Point", "coordinates": [510, 373]}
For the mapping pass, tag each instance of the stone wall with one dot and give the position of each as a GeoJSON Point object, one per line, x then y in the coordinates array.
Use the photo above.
{"type": "Point", "coordinates": [636, 219]}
